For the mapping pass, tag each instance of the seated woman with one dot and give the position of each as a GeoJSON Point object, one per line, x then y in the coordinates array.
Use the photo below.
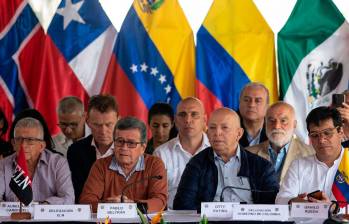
{"type": "Point", "coordinates": [161, 123]}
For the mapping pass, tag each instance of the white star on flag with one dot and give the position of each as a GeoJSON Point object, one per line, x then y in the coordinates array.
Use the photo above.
{"type": "Point", "coordinates": [144, 67]}
{"type": "Point", "coordinates": [134, 68]}
{"type": "Point", "coordinates": [154, 71]}
{"type": "Point", "coordinates": [162, 79]}
{"type": "Point", "coordinates": [168, 88]}
{"type": "Point", "coordinates": [70, 13]}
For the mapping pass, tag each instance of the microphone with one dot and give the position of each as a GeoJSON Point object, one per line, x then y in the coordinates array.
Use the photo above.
{"type": "Point", "coordinates": [158, 177]}
{"type": "Point", "coordinates": [221, 199]}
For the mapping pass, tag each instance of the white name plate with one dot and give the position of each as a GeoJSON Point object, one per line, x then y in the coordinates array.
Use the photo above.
{"type": "Point", "coordinates": [6, 208]}
{"type": "Point", "coordinates": [116, 210]}
{"type": "Point", "coordinates": [260, 212]}
{"type": "Point", "coordinates": [62, 212]}
{"type": "Point", "coordinates": [309, 210]}
{"type": "Point", "coordinates": [222, 210]}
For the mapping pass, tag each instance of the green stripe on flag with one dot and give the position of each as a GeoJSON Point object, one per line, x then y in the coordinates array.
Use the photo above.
{"type": "Point", "coordinates": [310, 24]}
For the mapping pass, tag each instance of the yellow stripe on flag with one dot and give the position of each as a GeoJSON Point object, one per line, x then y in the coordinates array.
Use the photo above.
{"type": "Point", "coordinates": [169, 30]}
{"type": "Point", "coordinates": [344, 165]}
{"type": "Point", "coordinates": [241, 30]}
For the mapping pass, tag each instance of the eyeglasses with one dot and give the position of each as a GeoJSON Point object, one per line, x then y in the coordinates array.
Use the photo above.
{"type": "Point", "coordinates": [28, 141]}
{"type": "Point", "coordinates": [119, 142]}
{"type": "Point", "coordinates": [327, 133]}
{"type": "Point", "coordinates": [71, 125]}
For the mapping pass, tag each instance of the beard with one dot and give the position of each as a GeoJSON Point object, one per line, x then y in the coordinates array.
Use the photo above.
{"type": "Point", "coordinates": [279, 137]}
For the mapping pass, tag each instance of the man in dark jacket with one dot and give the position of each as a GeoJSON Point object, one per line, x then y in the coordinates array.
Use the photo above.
{"type": "Point", "coordinates": [225, 167]}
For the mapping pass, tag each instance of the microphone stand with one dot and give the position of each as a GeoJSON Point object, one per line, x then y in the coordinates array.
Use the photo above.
{"type": "Point", "coordinates": [221, 199]}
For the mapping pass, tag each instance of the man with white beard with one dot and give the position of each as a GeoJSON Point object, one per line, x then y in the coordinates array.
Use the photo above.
{"type": "Point", "coordinates": [282, 147]}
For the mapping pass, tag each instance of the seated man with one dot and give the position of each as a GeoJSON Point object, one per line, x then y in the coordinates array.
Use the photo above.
{"type": "Point", "coordinates": [72, 122]}
{"type": "Point", "coordinates": [315, 172]}
{"type": "Point", "coordinates": [344, 111]}
{"type": "Point", "coordinates": [128, 164]}
{"type": "Point", "coordinates": [225, 164]}
{"type": "Point", "coordinates": [49, 172]}
{"type": "Point", "coordinates": [282, 147]}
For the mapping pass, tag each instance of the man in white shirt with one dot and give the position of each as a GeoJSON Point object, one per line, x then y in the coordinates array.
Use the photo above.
{"type": "Point", "coordinates": [316, 172]}
{"type": "Point", "coordinates": [190, 121]}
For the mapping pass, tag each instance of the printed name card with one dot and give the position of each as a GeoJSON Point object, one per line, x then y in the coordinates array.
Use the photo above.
{"type": "Point", "coordinates": [6, 208]}
{"type": "Point", "coordinates": [62, 212]}
{"type": "Point", "coordinates": [260, 212]}
{"type": "Point", "coordinates": [309, 210]}
{"type": "Point", "coordinates": [217, 209]}
{"type": "Point", "coordinates": [116, 210]}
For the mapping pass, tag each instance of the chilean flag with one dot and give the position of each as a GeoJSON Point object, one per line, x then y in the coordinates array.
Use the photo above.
{"type": "Point", "coordinates": [37, 70]}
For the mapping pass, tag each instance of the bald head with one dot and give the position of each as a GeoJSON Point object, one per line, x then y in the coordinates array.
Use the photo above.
{"type": "Point", "coordinates": [224, 132]}
{"type": "Point", "coordinates": [190, 118]}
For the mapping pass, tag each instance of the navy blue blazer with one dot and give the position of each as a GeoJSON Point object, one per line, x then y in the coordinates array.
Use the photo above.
{"type": "Point", "coordinates": [200, 179]}
{"type": "Point", "coordinates": [81, 155]}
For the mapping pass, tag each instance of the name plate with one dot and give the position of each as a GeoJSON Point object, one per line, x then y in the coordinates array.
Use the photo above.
{"type": "Point", "coordinates": [116, 210]}
{"type": "Point", "coordinates": [62, 212]}
{"type": "Point", "coordinates": [309, 210]}
{"type": "Point", "coordinates": [217, 209]}
{"type": "Point", "coordinates": [6, 208]}
{"type": "Point", "coordinates": [260, 212]}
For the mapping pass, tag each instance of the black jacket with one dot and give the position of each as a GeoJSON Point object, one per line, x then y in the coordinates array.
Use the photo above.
{"type": "Point", "coordinates": [200, 179]}
{"type": "Point", "coordinates": [81, 155]}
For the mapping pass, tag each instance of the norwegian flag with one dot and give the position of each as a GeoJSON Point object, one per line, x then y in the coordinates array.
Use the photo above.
{"type": "Point", "coordinates": [40, 69]}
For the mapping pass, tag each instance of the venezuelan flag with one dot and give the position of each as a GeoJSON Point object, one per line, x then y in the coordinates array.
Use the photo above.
{"type": "Point", "coordinates": [154, 58]}
{"type": "Point", "coordinates": [340, 187]}
{"type": "Point", "coordinates": [235, 46]}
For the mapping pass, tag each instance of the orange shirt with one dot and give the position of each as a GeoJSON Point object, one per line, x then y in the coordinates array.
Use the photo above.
{"type": "Point", "coordinates": [103, 183]}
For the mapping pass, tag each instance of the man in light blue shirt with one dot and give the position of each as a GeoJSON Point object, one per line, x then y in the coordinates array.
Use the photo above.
{"type": "Point", "coordinates": [282, 147]}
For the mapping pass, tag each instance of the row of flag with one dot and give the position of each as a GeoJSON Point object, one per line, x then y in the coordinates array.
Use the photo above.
{"type": "Point", "coordinates": [153, 57]}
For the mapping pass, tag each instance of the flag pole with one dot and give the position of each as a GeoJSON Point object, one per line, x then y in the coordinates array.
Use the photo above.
{"type": "Point", "coordinates": [20, 215]}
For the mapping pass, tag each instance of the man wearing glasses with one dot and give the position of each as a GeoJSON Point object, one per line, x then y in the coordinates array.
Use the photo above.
{"type": "Point", "coordinates": [72, 121]}
{"type": "Point", "coordinates": [316, 172]}
{"type": "Point", "coordinates": [128, 175]}
{"type": "Point", "coordinates": [49, 172]}
{"type": "Point", "coordinates": [102, 116]}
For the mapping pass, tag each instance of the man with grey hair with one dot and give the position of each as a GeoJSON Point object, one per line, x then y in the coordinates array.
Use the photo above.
{"type": "Point", "coordinates": [49, 172]}
{"type": "Point", "coordinates": [110, 177]}
{"type": "Point", "coordinates": [253, 104]}
{"type": "Point", "coordinates": [72, 122]}
{"type": "Point", "coordinates": [282, 147]}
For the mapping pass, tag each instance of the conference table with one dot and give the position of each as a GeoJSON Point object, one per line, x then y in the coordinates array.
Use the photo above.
{"type": "Point", "coordinates": [169, 217]}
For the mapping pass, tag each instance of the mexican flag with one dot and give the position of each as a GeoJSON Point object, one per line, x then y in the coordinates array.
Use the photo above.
{"type": "Point", "coordinates": [313, 57]}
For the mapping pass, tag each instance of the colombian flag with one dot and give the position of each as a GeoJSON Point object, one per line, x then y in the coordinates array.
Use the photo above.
{"type": "Point", "coordinates": [153, 58]}
{"type": "Point", "coordinates": [235, 46]}
{"type": "Point", "coordinates": [340, 187]}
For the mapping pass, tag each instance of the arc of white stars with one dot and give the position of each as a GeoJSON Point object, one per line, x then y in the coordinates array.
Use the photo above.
{"type": "Point", "coordinates": [70, 13]}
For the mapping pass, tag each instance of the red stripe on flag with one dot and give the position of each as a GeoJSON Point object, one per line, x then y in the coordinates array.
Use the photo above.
{"type": "Point", "coordinates": [7, 108]}
{"type": "Point", "coordinates": [118, 84]}
{"type": "Point", "coordinates": [8, 9]}
{"type": "Point", "coordinates": [211, 102]}
{"type": "Point", "coordinates": [338, 194]}
{"type": "Point", "coordinates": [21, 161]}
{"type": "Point", "coordinates": [48, 77]}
